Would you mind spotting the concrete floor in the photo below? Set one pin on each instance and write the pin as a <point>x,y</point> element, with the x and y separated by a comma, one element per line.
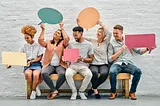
<point>64,101</point>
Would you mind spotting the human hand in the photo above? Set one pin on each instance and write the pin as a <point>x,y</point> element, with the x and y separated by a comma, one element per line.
<point>8,66</point>
<point>61,24</point>
<point>42,26</point>
<point>123,47</point>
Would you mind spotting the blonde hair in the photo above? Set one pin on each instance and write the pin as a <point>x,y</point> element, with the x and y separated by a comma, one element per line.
<point>30,30</point>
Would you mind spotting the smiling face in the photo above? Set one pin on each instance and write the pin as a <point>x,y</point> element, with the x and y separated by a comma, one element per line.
<point>117,32</point>
<point>28,38</point>
<point>57,35</point>
<point>77,35</point>
<point>100,33</point>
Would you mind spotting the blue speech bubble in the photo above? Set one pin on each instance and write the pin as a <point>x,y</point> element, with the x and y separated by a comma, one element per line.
<point>50,16</point>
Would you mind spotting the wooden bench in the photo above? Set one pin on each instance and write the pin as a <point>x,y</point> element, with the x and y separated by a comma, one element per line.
<point>122,76</point>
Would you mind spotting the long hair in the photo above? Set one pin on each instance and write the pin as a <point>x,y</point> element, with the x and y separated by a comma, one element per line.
<point>52,41</point>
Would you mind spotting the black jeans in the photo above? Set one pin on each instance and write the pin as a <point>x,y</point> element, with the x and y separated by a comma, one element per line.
<point>47,71</point>
<point>98,69</point>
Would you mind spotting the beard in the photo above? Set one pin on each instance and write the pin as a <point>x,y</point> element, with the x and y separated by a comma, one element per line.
<point>77,40</point>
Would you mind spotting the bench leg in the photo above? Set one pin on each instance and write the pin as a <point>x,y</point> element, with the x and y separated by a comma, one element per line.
<point>28,90</point>
<point>126,87</point>
<point>123,87</point>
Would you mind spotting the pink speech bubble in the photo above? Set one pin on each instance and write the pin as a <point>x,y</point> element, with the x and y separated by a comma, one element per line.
<point>71,55</point>
<point>140,40</point>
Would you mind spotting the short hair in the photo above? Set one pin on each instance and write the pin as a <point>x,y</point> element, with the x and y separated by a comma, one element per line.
<point>101,28</point>
<point>78,28</point>
<point>120,27</point>
<point>30,30</point>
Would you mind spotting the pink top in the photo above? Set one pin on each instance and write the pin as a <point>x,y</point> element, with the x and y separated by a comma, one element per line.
<point>49,52</point>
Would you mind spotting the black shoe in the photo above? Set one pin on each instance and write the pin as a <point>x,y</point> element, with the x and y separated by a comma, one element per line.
<point>98,96</point>
<point>90,92</point>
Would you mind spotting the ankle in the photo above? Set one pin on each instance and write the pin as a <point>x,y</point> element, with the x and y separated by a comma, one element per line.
<point>95,91</point>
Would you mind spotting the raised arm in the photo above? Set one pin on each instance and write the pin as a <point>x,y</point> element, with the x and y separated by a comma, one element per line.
<point>106,31</point>
<point>65,36</point>
<point>41,37</point>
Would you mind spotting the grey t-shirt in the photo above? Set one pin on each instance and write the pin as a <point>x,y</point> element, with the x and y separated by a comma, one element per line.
<point>100,50</point>
<point>125,56</point>
<point>85,49</point>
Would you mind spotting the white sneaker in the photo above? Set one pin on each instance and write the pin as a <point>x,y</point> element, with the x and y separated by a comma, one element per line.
<point>33,95</point>
<point>74,96</point>
<point>38,91</point>
<point>82,95</point>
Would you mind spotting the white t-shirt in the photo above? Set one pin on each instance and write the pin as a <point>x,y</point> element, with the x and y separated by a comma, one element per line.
<point>55,60</point>
<point>32,50</point>
<point>85,49</point>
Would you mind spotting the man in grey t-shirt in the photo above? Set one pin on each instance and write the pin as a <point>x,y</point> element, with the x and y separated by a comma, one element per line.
<point>81,65</point>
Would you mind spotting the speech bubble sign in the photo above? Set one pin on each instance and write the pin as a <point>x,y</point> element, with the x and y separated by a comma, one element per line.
<point>14,58</point>
<point>140,40</point>
<point>71,55</point>
<point>50,16</point>
<point>88,17</point>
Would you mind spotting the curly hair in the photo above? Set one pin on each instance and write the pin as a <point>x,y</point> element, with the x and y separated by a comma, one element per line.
<point>30,30</point>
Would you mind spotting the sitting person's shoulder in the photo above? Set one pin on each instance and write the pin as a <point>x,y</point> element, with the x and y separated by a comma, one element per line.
<point>87,42</point>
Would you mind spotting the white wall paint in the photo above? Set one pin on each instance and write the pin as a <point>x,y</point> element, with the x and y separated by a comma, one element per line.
<point>137,16</point>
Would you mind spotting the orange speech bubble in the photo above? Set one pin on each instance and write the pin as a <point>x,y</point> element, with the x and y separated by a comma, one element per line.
<point>88,17</point>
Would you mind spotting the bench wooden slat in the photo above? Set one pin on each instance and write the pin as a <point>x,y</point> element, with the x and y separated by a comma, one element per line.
<point>80,77</point>
<point>121,76</point>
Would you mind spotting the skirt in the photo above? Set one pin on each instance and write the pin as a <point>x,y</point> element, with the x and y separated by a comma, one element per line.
<point>34,66</point>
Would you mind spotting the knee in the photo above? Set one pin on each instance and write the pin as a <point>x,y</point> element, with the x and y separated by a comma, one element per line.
<point>89,74</point>
<point>112,72</point>
<point>61,73</point>
<point>95,74</point>
<point>28,76</point>
<point>68,74</point>
<point>44,74</point>
<point>104,74</point>
<point>36,75</point>
<point>138,72</point>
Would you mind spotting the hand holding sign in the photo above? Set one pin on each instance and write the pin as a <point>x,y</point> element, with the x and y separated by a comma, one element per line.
<point>140,40</point>
<point>88,17</point>
<point>71,55</point>
<point>50,16</point>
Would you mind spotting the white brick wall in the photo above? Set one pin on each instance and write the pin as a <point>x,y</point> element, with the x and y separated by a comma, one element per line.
<point>137,16</point>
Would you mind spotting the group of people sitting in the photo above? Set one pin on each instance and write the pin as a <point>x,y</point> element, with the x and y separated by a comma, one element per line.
<point>97,56</point>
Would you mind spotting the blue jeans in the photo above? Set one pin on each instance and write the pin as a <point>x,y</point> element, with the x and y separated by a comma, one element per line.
<point>131,69</point>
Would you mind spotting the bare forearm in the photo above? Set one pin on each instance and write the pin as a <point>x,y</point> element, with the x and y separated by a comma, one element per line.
<point>42,34</point>
<point>87,60</point>
<point>37,59</point>
<point>116,55</point>
<point>144,50</point>
<point>41,39</point>
<point>66,37</point>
